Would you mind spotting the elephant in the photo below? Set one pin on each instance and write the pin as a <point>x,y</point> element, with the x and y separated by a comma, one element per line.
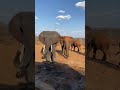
<point>76,43</point>
<point>22,28</point>
<point>65,44</point>
<point>61,42</point>
<point>50,40</point>
<point>97,40</point>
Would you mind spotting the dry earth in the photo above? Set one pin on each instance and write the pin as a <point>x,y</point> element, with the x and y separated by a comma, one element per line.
<point>8,48</point>
<point>100,76</point>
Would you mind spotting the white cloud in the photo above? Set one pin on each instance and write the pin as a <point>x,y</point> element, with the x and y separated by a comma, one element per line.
<point>75,32</point>
<point>80,4</point>
<point>61,11</point>
<point>60,19</point>
<point>63,17</point>
<point>57,23</point>
<point>36,17</point>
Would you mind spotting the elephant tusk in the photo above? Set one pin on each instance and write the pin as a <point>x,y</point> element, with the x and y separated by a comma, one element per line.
<point>22,53</point>
<point>51,48</point>
<point>43,48</point>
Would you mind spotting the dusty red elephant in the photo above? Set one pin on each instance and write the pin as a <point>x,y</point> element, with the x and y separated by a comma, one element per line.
<point>65,42</point>
<point>76,43</point>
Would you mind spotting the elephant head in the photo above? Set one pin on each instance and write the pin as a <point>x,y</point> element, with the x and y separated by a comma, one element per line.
<point>66,45</point>
<point>22,28</point>
<point>49,38</point>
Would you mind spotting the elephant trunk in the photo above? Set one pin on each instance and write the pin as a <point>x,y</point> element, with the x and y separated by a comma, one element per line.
<point>51,48</point>
<point>67,49</point>
<point>22,53</point>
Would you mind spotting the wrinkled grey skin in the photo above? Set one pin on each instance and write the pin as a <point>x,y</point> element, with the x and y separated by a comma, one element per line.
<point>50,40</point>
<point>21,27</point>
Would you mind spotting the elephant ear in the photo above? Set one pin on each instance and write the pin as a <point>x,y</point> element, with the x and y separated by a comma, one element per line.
<point>15,29</point>
<point>21,27</point>
<point>56,38</point>
<point>42,37</point>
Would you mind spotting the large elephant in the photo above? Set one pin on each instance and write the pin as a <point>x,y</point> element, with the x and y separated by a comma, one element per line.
<point>66,42</point>
<point>22,28</point>
<point>50,40</point>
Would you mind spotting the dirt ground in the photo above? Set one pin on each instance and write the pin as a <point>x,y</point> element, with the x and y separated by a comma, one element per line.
<point>8,48</point>
<point>100,76</point>
<point>74,65</point>
<point>76,60</point>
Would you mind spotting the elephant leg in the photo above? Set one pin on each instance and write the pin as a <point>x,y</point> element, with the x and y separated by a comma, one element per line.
<point>89,48</point>
<point>87,52</point>
<point>105,53</point>
<point>62,49</point>
<point>53,55</point>
<point>78,49</point>
<point>118,51</point>
<point>71,47</point>
<point>104,56</point>
<point>48,56</point>
<point>74,48</point>
<point>66,53</point>
<point>94,53</point>
<point>17,57</point>
<point>30,72</point>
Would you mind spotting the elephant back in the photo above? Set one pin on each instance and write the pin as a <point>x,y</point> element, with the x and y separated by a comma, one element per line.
<point>53,37</point>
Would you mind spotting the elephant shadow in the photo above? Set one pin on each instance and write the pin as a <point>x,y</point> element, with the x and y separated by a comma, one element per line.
<point>58,76</point>
<point>60,53</point>
<point>20,86</point>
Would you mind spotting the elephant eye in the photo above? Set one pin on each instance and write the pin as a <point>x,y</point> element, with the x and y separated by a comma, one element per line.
<point>21,30</point>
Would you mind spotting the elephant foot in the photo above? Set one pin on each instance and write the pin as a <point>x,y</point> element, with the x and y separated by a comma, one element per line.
<point>43,57</point>
<point>30,86</point>
<point>20,74</point>
<point>66,57</point>
<point>53,59</point>
<point>104,58</point>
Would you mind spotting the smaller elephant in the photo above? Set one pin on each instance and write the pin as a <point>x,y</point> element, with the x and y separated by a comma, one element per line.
<point>76,43</point>
<point>50,40</point>
<point>61,42</point>
<point>65,44</point>
<point>97,40</point>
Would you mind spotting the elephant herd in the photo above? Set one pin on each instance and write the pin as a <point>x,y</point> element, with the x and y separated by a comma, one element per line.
<point>101,40</point>
<point>50,39</point>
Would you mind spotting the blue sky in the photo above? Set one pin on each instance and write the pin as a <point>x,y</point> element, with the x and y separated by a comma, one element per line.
<point>65,16</point>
